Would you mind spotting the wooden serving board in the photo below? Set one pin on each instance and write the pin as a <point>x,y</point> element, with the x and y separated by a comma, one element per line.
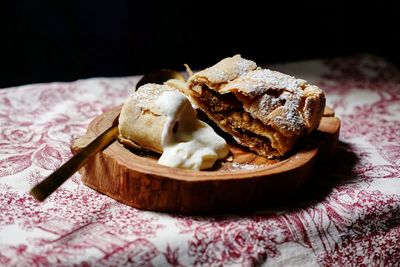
<point>243,182</point>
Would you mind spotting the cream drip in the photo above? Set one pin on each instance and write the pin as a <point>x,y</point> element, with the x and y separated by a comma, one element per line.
<point>187,142</point>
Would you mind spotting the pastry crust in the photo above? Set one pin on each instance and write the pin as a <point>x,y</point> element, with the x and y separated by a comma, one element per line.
<point>140,121</point>
<point>264,110</point>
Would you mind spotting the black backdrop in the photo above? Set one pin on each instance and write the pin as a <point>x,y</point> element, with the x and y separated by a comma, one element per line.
<point>63,41</point>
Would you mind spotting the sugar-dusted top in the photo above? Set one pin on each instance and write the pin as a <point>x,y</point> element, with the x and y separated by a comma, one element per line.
<point>257,82</point>
<point>146,96</point>
<point>226,70</point>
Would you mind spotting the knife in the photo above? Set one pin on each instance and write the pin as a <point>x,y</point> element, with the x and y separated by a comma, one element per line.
<point>43,189</point>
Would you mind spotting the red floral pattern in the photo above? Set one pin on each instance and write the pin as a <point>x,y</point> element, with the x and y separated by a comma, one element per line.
<point>356,223</point>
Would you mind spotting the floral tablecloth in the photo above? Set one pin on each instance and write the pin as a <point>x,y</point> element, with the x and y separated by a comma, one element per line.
<point>354,221</point>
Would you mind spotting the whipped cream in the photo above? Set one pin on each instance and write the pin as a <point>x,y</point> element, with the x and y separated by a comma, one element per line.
<point>187,142</point>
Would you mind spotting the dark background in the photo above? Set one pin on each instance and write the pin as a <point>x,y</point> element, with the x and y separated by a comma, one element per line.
<point>63,41</point>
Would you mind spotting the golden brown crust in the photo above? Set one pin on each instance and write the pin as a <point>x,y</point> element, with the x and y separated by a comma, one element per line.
<point>224,71</point>
<point>140,121</point>
<point>281,108</point>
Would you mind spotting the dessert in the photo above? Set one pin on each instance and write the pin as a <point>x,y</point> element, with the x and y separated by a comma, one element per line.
<point>161,119</point>
<point>264,110</point>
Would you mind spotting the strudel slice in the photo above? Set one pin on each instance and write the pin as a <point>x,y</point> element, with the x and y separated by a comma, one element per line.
<point>264,110</point>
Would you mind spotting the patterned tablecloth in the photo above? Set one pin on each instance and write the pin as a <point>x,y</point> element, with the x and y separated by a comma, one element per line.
<point>355,220</point>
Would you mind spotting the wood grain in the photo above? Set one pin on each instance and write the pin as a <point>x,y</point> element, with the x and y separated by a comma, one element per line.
<point>244,182</point>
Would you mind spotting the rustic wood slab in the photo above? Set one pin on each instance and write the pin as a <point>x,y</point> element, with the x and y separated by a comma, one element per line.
<point>243,182</point>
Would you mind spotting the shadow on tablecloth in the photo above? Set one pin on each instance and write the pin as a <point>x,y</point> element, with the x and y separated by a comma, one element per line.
<point>339,170</point>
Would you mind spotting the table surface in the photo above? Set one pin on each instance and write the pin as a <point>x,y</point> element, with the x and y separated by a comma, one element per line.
<point>349,214</point>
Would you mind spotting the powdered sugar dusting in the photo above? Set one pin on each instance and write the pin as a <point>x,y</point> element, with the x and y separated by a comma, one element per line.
<point>291,120</point>
<point>277,90</point>
<point>294,120</point>
<point>244,166</point>
<point>218,74</point>
<point>257,82</point>
<point>146,95</point>
<point>226,70</point>
<point>267,103</point>
<point>244,65</point>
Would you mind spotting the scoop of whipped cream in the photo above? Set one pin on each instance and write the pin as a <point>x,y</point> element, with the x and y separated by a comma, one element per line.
<point>187,142</point>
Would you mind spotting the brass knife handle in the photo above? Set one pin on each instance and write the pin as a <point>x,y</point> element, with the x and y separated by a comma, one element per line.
<point>43,189</point>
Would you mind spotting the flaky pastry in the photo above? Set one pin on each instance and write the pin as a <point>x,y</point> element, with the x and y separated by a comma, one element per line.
<point>264,110</point>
